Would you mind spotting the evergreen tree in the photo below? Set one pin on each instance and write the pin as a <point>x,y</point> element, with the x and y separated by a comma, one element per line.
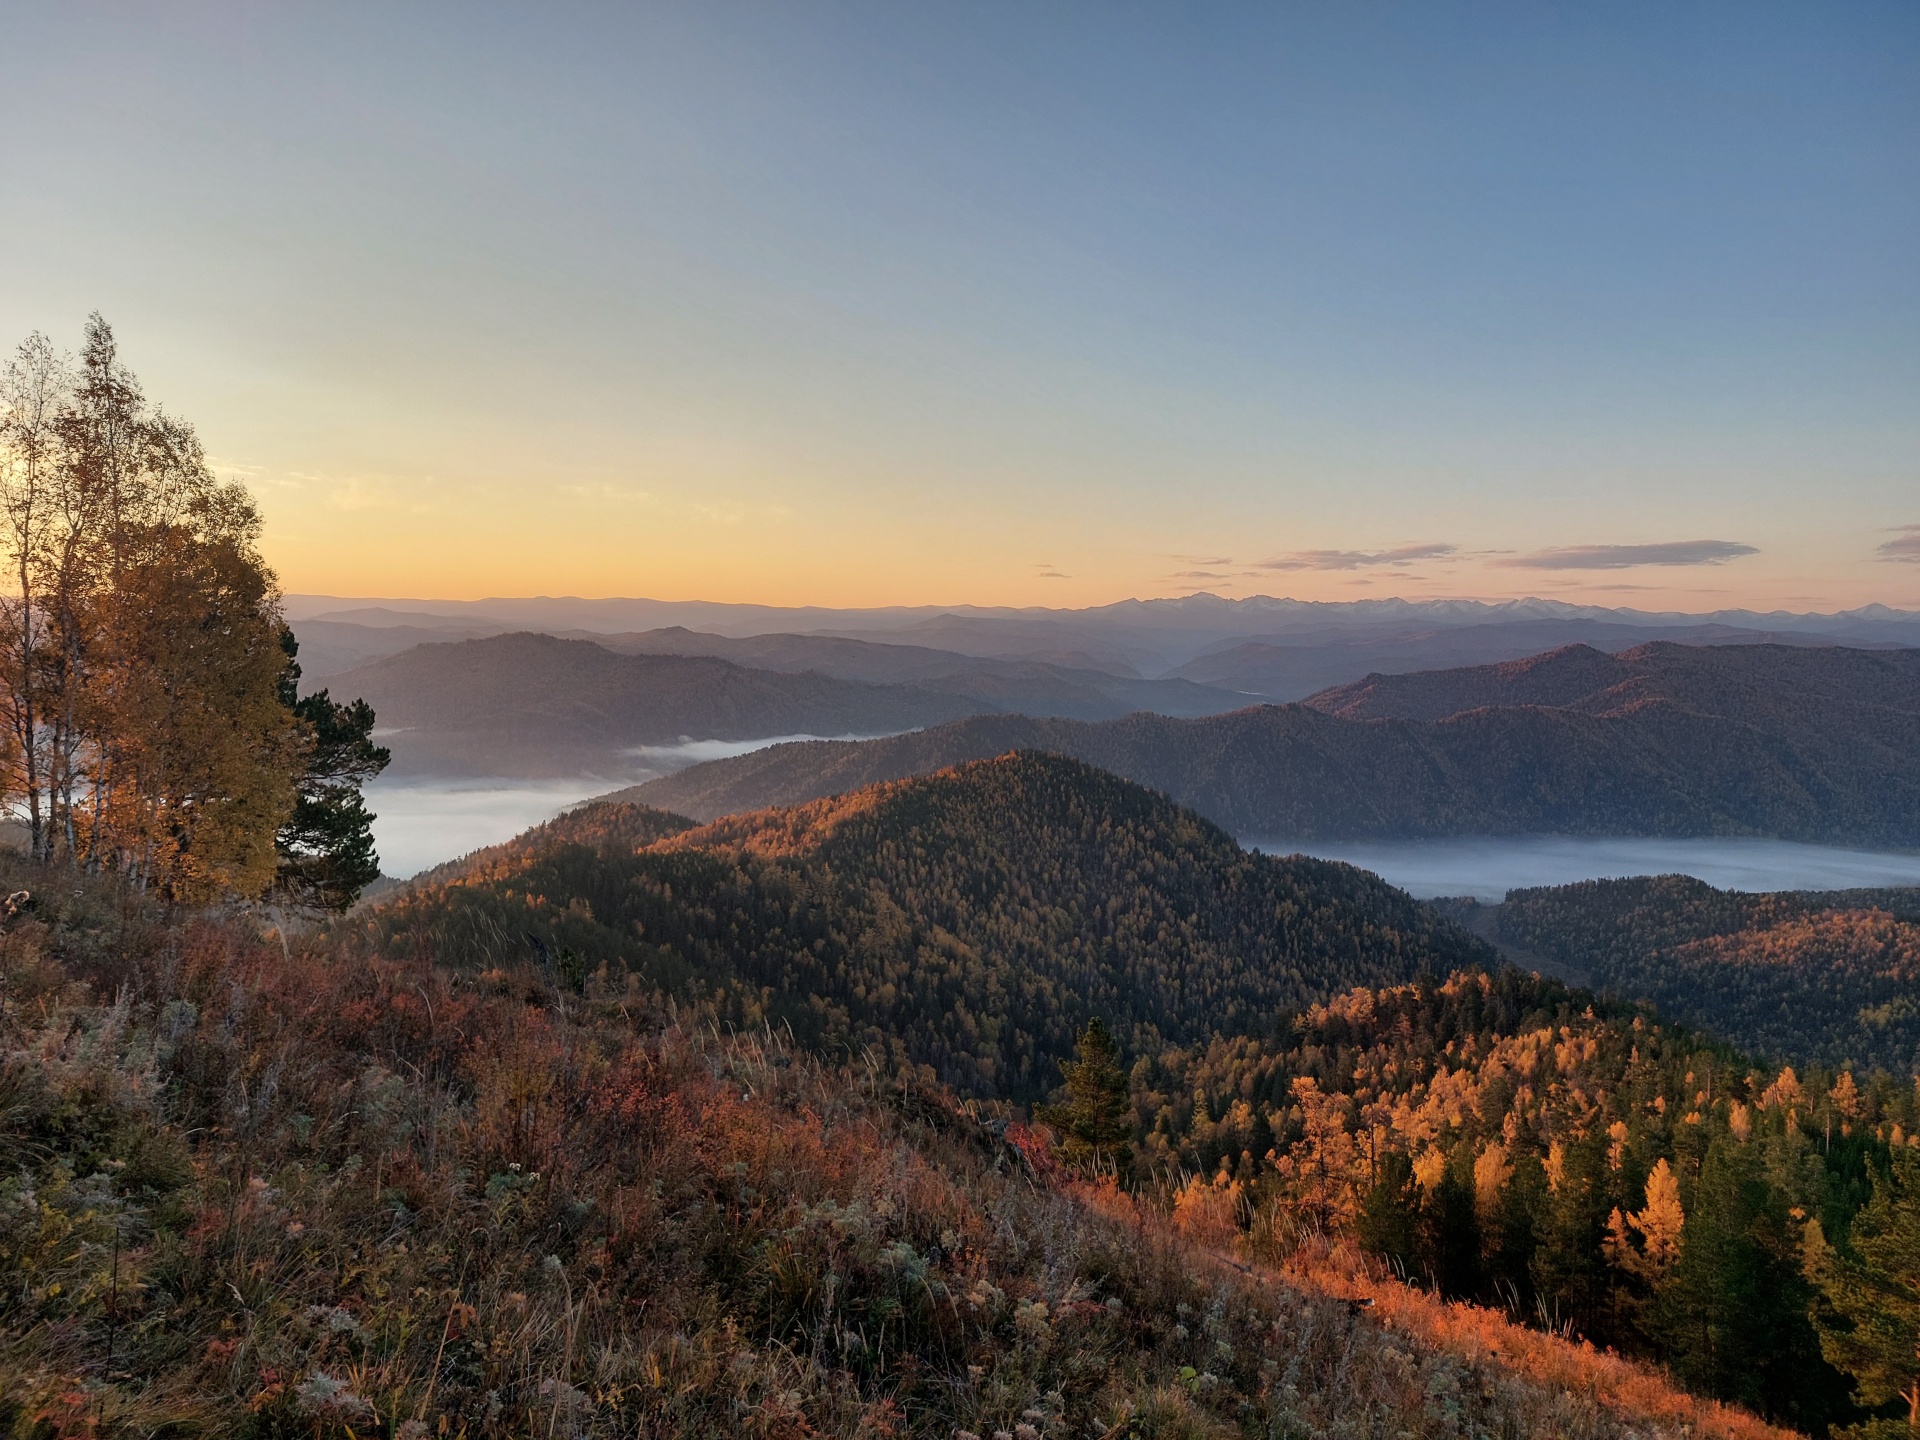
<point>1449,1229</point>
<point>1098,1115</point>
<point>1735,1308</point>
<point>326,847</point>
<point>1569,1274</point>
<point>1872,1285</point>
<point>1390,1212</point>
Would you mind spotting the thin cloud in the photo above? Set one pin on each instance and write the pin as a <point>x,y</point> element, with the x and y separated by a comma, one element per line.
<point>1904,547</point>
<point>1625,557</point>
<point>1356,559</point>
<point>1053,575</point>
<point>1200,575</point>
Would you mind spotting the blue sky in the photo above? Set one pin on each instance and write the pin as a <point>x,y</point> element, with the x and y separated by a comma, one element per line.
<point>1007,304</point>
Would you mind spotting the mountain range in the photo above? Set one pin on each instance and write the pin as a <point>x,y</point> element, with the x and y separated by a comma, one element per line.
<point>1807,744</point>
<point>538,706</point>
<point>1260,647</point>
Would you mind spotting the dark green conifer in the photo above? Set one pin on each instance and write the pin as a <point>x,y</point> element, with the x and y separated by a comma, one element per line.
<point>326,847</point>
<point>1098,1115</point>
<point>1389,1215</point>
<point>1735,1309</point>
<point>1872,1286</point>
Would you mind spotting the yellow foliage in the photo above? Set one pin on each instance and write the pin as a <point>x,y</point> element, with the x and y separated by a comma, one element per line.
<point>1491,1172</point>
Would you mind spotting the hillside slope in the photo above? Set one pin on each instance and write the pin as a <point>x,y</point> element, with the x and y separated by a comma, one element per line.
<point>1786,690</point>
<point>256,1191</point>
<point>1780,757</point>
<point>1797,976</point>
<point>1296,667</point>
<point>1489,1135</point>
<point>971,921</point>
<point>537,706</point>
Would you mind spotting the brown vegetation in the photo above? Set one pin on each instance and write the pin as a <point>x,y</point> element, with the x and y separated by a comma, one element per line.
<point>324,1193</point>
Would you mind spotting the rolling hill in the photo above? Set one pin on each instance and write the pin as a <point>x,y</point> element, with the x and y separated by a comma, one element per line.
<point>1830,978</point>
<point>536,706</point>
<point>1804,744</point>
<point>970,921</point>
<point>1071,686</point>
<point>1794,690</point>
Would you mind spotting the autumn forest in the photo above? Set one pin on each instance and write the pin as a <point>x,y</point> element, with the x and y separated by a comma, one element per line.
<point>1005,1097</point>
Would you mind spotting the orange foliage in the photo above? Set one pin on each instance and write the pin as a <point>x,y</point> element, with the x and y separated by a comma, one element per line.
<point>1632,1390</point>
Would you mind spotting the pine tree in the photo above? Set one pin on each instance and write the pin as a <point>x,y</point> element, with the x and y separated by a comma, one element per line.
<point>1098,1115</point>
<point>1390,1212</point>
<point>1735,1308</point>
<point>326,847</point>
<point>1873,1287</point>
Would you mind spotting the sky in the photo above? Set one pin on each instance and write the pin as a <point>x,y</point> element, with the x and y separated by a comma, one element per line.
<point>1049,304</point>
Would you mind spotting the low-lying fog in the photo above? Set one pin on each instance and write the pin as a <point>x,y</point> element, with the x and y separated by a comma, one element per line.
<point>1488,868</point>
<point>423,821</point>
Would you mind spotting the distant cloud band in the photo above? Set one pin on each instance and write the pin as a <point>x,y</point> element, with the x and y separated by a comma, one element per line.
<point>1355,559</point>
<point>1904,547</point>
<point>1625,557</point>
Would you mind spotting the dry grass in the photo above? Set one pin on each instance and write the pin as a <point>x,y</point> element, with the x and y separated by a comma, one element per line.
<point>1634,1391</point>
<point>314,1193</point>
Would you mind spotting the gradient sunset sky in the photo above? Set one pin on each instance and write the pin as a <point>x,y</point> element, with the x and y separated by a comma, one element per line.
<point>1006,303</point>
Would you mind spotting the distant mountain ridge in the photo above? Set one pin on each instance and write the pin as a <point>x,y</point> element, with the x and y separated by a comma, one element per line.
<point>531,705</point>
<point>538,706</point>
<point>1154,637</point>
<point>1759,740</point>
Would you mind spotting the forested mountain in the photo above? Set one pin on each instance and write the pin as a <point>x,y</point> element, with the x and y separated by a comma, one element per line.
<point>1501,1137</point>
<point>1739,740</point>
<point>1796,976</point>
<point>535,705</point>
<point>971,922</point>
<point>1295,667</point>
<point>1794,691</point>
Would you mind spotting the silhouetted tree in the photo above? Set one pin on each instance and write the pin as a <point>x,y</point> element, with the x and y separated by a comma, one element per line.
<point>326,847</point>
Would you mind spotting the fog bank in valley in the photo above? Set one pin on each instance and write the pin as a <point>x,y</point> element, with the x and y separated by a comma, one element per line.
<point>424,821</point>
<point>1488,867</point>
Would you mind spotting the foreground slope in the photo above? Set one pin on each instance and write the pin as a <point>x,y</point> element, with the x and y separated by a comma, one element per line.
<point>308,1192</point>
<point>1735,740</point>
<point>971,921</point>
